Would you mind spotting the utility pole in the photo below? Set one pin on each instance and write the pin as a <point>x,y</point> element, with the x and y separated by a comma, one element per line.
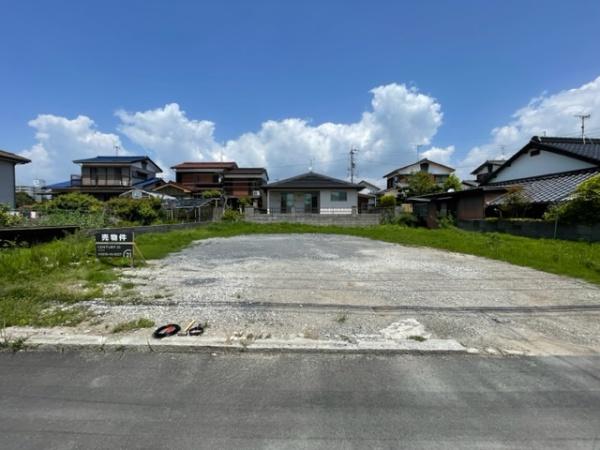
<point>352,168</point>
<point>583,117</point>
<point>418,148</point>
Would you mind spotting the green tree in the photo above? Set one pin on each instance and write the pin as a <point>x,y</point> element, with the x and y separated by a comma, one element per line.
<point>211,193</point>
<point>23,199</point>
<point>74,201</point>
<point>144,211</point>
<point>515,203</point>
<point>421,183</point>
<point>452,182</point>
<point>387,201</point>
<point>584,207</point>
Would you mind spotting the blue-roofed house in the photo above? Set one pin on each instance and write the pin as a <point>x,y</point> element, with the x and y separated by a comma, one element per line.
<point>109,176</point>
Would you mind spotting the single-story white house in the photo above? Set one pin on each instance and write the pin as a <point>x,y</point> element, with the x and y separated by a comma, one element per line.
<point>312,193</point>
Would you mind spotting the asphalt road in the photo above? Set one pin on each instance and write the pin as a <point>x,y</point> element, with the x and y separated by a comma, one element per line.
<point>95,400</point>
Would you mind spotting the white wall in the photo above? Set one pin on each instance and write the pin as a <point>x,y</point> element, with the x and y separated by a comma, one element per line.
<point>7,183</point>
<point>325,202</point>
<point>545,163</point>
<point>434,169</point>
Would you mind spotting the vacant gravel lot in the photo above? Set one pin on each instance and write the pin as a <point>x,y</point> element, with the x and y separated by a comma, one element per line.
<point>322,286</point>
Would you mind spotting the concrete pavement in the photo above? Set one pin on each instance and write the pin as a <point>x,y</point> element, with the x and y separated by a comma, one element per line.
<point>73,400</point>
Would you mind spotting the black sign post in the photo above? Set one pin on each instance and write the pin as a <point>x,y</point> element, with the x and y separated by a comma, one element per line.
<point>115,244</point>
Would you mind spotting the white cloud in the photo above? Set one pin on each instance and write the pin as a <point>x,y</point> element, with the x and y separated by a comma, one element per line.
<point>399,119</point>
<point>553,115</point>
<point>169,135</point>
<point>439,154</point>
<point>59,142</point>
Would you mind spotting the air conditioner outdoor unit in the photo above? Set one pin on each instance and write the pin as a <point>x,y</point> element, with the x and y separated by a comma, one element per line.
<point>255,193</point>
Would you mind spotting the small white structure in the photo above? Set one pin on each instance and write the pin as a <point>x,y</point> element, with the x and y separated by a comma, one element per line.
<point>139,193</point>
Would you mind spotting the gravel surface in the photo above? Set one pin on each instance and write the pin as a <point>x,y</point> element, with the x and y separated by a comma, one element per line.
<point>324,286</point>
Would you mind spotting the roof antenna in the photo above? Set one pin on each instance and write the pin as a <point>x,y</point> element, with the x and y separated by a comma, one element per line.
<point>117,148</point>
<point>583,117</point>
<point>310,168</point>
<point>502,147</point>
<point>418,147</point>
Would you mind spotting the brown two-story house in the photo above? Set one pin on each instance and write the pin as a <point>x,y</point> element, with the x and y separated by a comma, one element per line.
<point>108,176</point>
<point>233,181</point>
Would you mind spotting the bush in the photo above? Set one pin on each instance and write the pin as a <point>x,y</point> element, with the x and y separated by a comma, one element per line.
<point>515,203</point>
<point>446,221</point>
<point>406,219</point>
<point>74,201</point>
<point>231,215</point>
<point>144,211</point>
<point>403,219</point>
<point>387,201</point>
<point>452,182</point>
<point>583,208</point>
<point>82,219</point>
<point>23,199</point>
<point>212,193</point>
<point>7,219</point>
<point>245,201</point>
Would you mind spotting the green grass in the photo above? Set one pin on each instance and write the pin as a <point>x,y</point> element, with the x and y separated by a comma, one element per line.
<point>34,281</point>
<point>133,325</point>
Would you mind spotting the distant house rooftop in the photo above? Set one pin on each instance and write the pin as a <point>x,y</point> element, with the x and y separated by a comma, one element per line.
<point>422,161</point>
<point>16,159</point>
<point>493,162</point>
<point>312,180</point>
<point>110,160</point>
<point>205,165</point>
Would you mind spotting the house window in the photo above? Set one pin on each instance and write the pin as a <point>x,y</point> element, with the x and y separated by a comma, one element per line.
<point>424,167</point>
<point>339,196</point>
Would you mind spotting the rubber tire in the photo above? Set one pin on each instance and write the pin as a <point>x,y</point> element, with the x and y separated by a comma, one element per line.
<point>166,331</point>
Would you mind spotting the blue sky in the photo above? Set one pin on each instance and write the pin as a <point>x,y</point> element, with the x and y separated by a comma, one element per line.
<point>237,65</point>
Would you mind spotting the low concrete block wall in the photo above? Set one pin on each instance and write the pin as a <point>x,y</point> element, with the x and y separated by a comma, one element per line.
<point>342,220</point>
<point>150,228</point>
<point>534,229</point>
<point>35,235</point>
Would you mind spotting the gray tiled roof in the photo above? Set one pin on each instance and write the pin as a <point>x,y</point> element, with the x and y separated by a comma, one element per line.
<point>548,188</point>
<point>13,157</point>
<point>590,148</point>
<point>312,180</point>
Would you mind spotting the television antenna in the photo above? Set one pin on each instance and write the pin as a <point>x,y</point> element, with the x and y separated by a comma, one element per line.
<point>583,118</point>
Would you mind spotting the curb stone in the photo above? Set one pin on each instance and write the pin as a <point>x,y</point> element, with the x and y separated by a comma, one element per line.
<point>177,344</point>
